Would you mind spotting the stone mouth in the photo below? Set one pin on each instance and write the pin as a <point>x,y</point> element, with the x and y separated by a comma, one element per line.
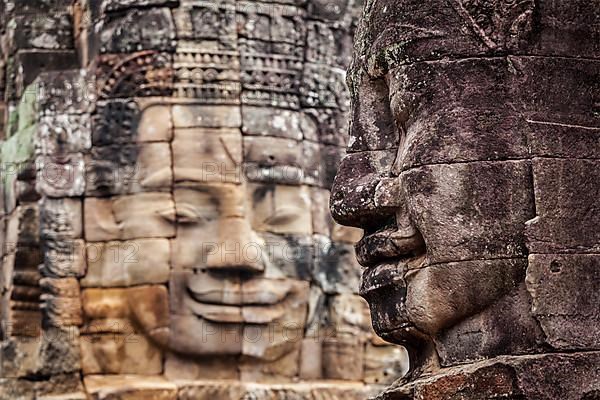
<point>389,246</point>
<point>258,292</point>
<point>257,301</point>
<point>384,287</point>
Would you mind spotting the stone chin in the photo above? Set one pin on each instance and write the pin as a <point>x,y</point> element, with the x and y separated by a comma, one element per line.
<point>409,304</point>
<point>383,286</point>
<point>260,318</point>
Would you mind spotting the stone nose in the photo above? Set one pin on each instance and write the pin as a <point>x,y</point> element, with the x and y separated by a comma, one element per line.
<point>363,195</point>
<point>236,247</point>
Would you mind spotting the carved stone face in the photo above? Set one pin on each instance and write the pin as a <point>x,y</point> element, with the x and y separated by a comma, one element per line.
<point>180,179</point>
<point>240,252</point>
<point>220,138</point>
<point>447,170</point>
<point>233,222</point>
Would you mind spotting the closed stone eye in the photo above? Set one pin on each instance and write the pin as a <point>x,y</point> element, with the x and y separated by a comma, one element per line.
<point>282,216</point>
<point>186,214</point>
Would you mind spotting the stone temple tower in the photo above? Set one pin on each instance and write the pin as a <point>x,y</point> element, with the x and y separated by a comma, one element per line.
<point>166,167</point>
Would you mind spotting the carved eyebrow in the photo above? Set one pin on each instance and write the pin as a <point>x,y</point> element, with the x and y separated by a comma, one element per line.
<point>379,60</point>
<point>378,64</point>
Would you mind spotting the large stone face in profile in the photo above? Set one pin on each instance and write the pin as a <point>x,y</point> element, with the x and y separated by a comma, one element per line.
<point>472,168</point>
<point>165,203</point>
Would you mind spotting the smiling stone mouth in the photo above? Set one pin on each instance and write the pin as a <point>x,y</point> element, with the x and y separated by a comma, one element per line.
<point>389,245</point>
<point>260,301</point>
<point>250,292</point>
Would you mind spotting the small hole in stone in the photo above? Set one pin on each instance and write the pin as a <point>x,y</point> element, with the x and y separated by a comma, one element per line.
<point>555,266</point>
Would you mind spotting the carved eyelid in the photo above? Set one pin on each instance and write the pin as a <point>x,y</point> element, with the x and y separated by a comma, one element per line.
<point>399,106</point>
<point>168,214</point>
<point>187,213</point>
<point>400,114</point>
<point>373,66</point>
<point>282,216</point>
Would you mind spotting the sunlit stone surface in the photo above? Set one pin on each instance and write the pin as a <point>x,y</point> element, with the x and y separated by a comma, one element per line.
<point>166,168</point>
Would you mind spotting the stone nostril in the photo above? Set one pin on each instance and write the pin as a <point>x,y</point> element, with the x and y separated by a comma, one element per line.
<point>233,265</point>
<point>382,224</point>
<point>236,257</point>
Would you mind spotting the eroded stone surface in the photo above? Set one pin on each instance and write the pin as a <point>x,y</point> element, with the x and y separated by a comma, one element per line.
<point>55,353</point>
<point>343,358</point>
<point>471,168</point>
<point>119,354</point>
<point>511,377</point>
<point>565,309</point>
<point>303,391</point>
<point>129,387</point>
<point>162,209</point>
<point>125,169</point>
<point>280,208</point>
<point>205,116</point>
<point>128,263</point>
<point>125,121</point>
<point>123,330</point>
<point>207,155</point>
<point>566,220</point>
<point>142,215</point>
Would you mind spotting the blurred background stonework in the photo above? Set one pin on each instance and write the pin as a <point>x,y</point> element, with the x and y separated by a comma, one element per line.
<point>166,168</point>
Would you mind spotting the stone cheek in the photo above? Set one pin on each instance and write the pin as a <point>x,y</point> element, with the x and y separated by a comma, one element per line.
<point>123,329</point>
<point>463,217</point>
<point>127,263</point>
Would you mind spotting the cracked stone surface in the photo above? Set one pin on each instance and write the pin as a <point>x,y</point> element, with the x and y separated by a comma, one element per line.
<point>167,167</point>
<point>471,166</point>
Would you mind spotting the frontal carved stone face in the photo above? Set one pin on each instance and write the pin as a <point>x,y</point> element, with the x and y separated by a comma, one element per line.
<point>450,139</point>
<point>221,182</point>
<point>180,182</point>
<point>232,222</point>
<point>235,247</point>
